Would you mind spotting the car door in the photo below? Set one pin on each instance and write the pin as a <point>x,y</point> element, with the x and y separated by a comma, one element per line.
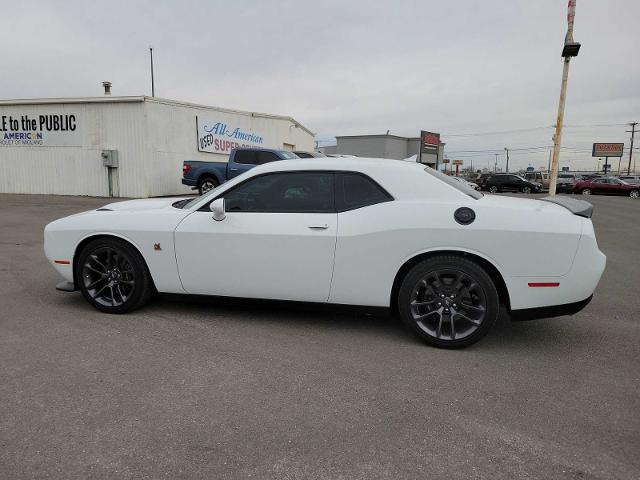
<point>277,240</point>
<point>514,183</point>
<point>616,187</point>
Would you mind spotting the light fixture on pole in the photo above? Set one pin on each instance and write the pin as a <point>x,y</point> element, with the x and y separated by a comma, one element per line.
<point>570,49</point>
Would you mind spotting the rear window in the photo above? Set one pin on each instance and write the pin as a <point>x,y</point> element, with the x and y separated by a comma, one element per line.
<point>248,157</point>
<point>463,187</point>
<point>356,190</point>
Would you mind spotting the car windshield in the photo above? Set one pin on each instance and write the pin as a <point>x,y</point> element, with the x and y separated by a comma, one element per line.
<point>458,185</point>
<point>288,155</point>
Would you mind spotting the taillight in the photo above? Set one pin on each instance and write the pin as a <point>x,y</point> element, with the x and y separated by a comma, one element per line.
<point>185,169</point>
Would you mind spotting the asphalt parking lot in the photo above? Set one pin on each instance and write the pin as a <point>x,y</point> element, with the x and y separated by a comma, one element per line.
<point>192,388</point>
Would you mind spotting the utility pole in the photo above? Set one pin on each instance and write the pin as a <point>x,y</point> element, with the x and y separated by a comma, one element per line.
<point>507,150</point>
<point>632,132</point>
<point>153,88</point>
<point>570,49</point>
<point>495,165</point>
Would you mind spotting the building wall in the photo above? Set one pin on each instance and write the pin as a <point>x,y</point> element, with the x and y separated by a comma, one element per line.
<point>172,138</point>
<point>152,137</point>
<point>77,169</point>
<point>373,146</point>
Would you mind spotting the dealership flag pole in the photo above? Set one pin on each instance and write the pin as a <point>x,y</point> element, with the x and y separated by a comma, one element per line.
<point>570,49</point>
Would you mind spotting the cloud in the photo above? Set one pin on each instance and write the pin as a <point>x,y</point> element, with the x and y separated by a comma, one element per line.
<point>348,67</point>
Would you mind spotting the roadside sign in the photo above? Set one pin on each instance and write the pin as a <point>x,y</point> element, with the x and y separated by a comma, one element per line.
<point>565,169</point>
<point>458,162</point>
<point>607,150</point>
<point>446,160</point>
<point>429,142</point>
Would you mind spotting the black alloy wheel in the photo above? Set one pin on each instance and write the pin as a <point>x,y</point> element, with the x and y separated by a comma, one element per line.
<point>113,276</point>
<point>449,301</point>
<point>206,185</point>
<point>526,189</point>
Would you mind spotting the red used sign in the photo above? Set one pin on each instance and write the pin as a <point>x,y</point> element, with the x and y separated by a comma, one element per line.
<point>607,150</point>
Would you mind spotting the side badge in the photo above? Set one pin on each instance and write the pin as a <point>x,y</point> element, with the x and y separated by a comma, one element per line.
<point>156,246</point>
<point>464,216</point>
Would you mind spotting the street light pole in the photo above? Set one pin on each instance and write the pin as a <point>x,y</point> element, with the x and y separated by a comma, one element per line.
<point>570,49</point>
<point>507,150</point>
<point>633,132</point>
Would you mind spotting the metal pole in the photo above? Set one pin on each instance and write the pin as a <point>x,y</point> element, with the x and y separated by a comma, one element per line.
<point>153,88</point>
<point>558,135</point>
<point>633,132</point>
<point>507,150</point>
<point>495,165</point>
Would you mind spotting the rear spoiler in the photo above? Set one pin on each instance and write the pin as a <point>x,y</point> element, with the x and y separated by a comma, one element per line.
<point>577,207</point>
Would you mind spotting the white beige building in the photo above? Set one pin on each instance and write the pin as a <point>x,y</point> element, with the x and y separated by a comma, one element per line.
<point>60,146</point>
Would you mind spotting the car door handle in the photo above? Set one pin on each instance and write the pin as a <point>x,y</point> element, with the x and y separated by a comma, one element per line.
<point>318,227</point>
<point>234,169</point>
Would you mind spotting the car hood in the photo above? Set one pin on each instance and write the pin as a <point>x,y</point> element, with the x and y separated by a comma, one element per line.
<point>142,204</point>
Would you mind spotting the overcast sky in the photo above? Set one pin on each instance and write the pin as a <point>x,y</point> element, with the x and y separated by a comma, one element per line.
<point>351,67</point>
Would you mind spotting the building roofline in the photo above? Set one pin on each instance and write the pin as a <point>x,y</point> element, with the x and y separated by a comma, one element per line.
<point>378,135</point>
<point>141,99</point>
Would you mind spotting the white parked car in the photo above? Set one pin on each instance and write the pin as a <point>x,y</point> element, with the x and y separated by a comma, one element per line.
<point>359,232</point>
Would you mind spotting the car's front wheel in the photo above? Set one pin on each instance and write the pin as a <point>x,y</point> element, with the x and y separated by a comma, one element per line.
<point>113,276</point>
<point>449,301</point>
<point>586,191</point>
<point>634,193</point>
<point>526,189</point>
<point>494,189</point>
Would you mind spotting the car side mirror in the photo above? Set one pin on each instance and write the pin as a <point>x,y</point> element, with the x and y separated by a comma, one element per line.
<point>217,207</point>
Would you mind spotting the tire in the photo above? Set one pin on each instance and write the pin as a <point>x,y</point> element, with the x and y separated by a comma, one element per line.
<point>526,189</point>
<point>494,189</point>
<point>113,276</point>
<point>634,193</point>
<point>206,184</point>
<point>446,291</point>
<point>585,191</point>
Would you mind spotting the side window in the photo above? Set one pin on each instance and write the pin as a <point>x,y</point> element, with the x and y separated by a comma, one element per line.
<point>247,157</point>
<point>266,157</point>
<point>295,192</point>
<point>355,190</point>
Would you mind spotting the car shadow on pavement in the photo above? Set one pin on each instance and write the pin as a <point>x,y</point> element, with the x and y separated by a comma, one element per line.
<point>548,334</point>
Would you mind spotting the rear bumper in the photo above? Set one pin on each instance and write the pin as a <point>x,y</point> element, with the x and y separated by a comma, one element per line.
<point>189,182</point>
<point>549,312</point>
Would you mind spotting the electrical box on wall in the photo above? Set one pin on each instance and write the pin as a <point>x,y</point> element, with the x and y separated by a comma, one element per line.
<point>110,158</point>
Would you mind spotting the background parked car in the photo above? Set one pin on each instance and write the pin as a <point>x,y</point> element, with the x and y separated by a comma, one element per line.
<point>635,179</point>
<point>206,176</point>
<point>607,186</point>
<point>506,182</point>
<point>467,183</point>
<point>566,182</point>
<point>538,177</point>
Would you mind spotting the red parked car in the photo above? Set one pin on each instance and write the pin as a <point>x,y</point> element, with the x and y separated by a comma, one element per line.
<point>607,186</point>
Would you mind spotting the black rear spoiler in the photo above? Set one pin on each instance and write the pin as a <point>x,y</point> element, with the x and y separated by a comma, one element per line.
<point>577,207</point>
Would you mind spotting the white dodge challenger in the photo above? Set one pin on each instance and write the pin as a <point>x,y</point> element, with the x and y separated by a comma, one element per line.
<point>360,231</point>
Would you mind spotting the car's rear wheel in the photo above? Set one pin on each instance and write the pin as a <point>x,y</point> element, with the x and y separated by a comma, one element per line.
<point>634,193</point>
<point>586,191</point>
<point>448,301</point>
<point>207,184</point>
<point>113,276</point>
<point>526,189</point>
<point>494,189</point>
